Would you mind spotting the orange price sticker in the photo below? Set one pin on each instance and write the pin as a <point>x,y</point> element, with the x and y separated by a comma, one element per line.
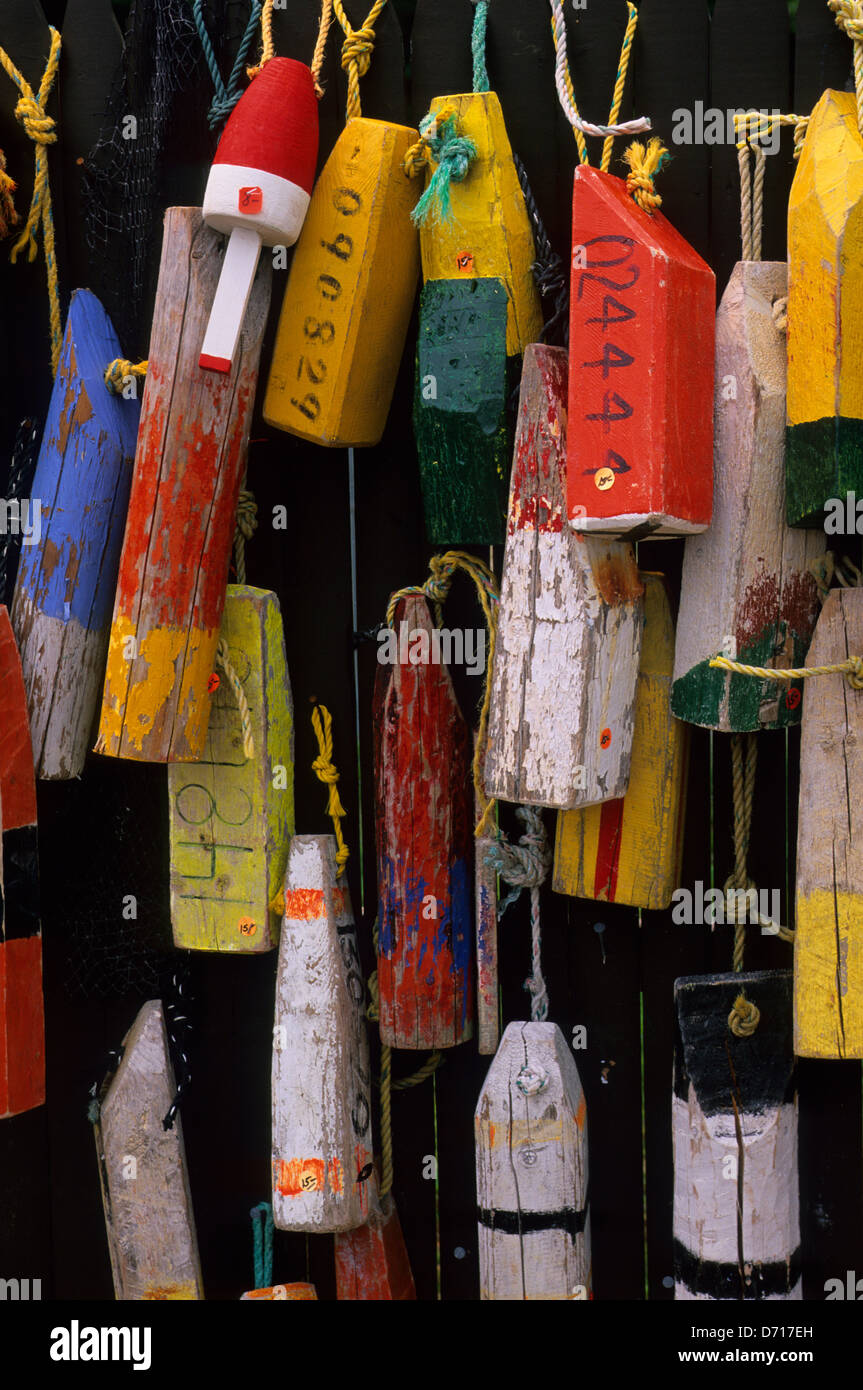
<point>464,260</point>
<point>250,200</point>
<point>605,738</point>
<point>213,683</point>
<point>246,926</point>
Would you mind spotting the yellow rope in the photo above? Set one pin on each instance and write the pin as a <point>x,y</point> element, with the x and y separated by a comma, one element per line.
<point>419,155</point>
<point>357,51</point>
<point>849,17</point>
<point>644,161</point>
<point>325,769</point>
<point>39,127</point>
<point>224,660</point>
<point>268,48</point>
<point>443,570</point>
<point>620,80</point>
<point>117,372</point>
<point>320,46</point>
<point>8,216</point>
<point>852,667</point>
<point>744,1017</point>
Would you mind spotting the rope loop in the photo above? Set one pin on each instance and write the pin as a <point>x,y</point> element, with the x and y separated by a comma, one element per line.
<point>357,51</point>
<point>744,1017</point>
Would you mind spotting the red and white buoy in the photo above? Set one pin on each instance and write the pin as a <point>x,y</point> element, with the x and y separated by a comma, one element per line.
<point>258,190</point>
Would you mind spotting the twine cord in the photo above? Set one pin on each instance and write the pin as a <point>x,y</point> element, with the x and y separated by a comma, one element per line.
<point>325,770</point>
<point>262,1245</point>
<point>39,127</point>
<point>268,47</point>
<point>619,83</point>
<point>851,667</point>
<point>477,46</point>
<point>320,45</point>
<point>223,660</point>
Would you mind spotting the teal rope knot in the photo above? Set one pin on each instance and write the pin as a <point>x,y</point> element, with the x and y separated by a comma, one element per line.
<point>226,97</point>
<point>453,155</point>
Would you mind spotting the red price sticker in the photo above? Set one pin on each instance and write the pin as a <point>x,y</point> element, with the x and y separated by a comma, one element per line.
<point>251,200</point>
<point>792,699</point>
<point>605,738</point>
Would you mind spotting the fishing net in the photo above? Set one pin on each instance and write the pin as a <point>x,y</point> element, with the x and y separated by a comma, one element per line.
<point>127,183</point>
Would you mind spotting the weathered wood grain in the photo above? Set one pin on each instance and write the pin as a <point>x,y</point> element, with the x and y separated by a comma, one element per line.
<point>746,589</point>
<point>569,630</point>
<point>828,944</point>
<point>630,850</point>
<point>297,1293</point>
<point>64,591</point>
<point>22,1021</point>
<point>350,293</point>
<point>460,410</point>
<point>232,817</point>
<point>734,1125</point>
<point>424,846</point>
<point>531,1170</point>
<point>825,313</point>
<point>188,468</point>
<point>142,1171</point>
<point>372,1261</point>
<point>322,1131</point>
<point>488,234</point>
<point>641,368</point>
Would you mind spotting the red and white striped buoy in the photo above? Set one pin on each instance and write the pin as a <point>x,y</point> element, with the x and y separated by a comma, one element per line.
<point>259,189</point>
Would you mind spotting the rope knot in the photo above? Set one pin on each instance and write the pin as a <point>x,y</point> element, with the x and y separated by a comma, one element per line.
<point>453,154</point>
<point>855,672</point>
<point>744,1017</point>
<point>38,125</point>
<point>357,48</point>
<point>644,162</point>
<point>849,16</point>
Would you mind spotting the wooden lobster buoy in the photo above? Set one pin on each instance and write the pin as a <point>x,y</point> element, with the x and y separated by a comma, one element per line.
<point>142,1171</point>
<point>630,850</point>
<point>424,846</point>
<point>322,1132</point>
<point>566,657</point>
<point>232,813</point>
<point>828,941</point>
<point>463,381</point>
<point>64,591</point>
<point>372,1261</point>
<point>188,468</point>
<point>642,308</point>
<point>825,291</point>
<point>734,1124</point>
<point>258,190</point>
<point>747,589</point>
<point>350,293</point>
<point>22,1016</point>
<point>531,1170</point>
<point>482,254</point>
<point>296,1293</point>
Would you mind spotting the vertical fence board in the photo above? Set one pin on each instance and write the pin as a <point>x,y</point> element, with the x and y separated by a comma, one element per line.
<point>822,54</point>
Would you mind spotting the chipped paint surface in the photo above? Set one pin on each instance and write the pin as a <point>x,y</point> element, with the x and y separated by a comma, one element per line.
<point>188,467</point>
<point>424,800</point>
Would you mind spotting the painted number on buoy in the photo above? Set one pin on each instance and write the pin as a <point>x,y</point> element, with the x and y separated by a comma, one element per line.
<point>606,373</point>
<point>320,331</point>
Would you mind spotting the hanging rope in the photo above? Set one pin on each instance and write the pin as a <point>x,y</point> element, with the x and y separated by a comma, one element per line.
<point>477,46</point>
<point>644,162</point>
<point>8,216</point>
<point>548,270</point>
<point>526,865</point>
<point>566,94</point>
<point>849,17</point>
<point>118,373</point>
<point>752,126</point>
<point>262,1245</point>
<point>851,667</point>
<point>326,772</point>
<point>268,47</point>
<point>439,144</point>
<point>443,570</point>
<point>244,528</point>
<point>39,127</point>
<point>357,51</point>
<point>321,44</point>
<point>619,83</point>
<point>224,661</point>
<point>226,95</point>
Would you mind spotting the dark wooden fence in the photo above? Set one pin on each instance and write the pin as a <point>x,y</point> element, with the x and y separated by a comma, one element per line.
<point>106,836</point>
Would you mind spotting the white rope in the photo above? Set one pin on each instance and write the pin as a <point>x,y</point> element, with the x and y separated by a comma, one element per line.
<point>636,127</point>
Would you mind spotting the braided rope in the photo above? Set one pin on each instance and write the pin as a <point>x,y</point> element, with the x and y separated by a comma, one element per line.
<point>245,527</point>
<point>224,661</point>
<point>744,1017</point>
<point>268,47</point>
<point>619,83</point>
<point>326,772</point>
<point>226,95</point>
<point>321,44</point>
<point>118,372</point>
<point>477,46</point>
<point>852,667</point>
<point>262,1245</point>
<point>357,51</point>
<point>849,17</point>
<point>563,82</point>
<point>644,162</point>
<point>440,144</point>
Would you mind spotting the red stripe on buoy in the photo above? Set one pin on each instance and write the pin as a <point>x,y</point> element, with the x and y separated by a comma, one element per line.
<point>274,126</point>
<point>608,850</point>
<point>214,364</point>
